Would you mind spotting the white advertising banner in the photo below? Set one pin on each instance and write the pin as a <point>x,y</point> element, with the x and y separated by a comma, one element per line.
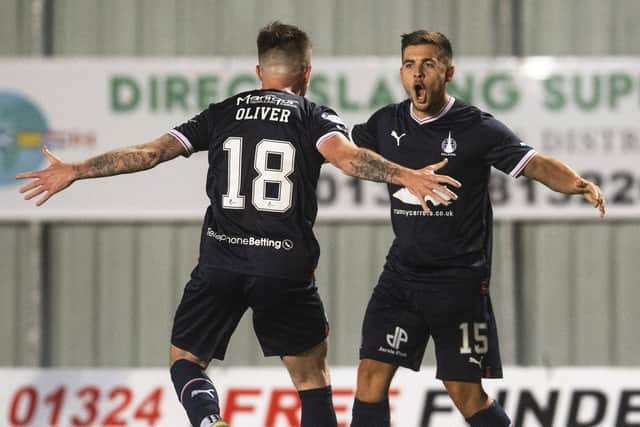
<point>264,397</point>
<point>584,111</point>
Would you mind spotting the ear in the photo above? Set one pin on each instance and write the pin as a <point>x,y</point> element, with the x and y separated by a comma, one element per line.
<point>307,72</point>
<point>451,69</point>
<point>259,71</point>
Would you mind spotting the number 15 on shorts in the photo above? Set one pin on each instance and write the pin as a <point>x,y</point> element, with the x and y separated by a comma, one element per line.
<point>479,339</point>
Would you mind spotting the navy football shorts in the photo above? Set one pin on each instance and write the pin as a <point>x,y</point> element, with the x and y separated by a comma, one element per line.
<point>288,316</point>
<point>457,313</point>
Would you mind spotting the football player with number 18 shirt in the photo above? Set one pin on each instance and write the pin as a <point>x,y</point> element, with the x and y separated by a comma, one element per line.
<point>435,282</point>
<point>257,248</point>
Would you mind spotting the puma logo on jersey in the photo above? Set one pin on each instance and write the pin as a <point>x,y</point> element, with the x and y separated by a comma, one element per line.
<point>210,393</point>
<point>476,361</point>
<point>397,137</point>
<point>405,196</point>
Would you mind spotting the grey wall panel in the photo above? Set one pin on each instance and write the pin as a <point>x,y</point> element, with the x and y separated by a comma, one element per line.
<point>78,27</point>
<point>357,27</point>
<point>11,249</point>
<point>593,321</point>
<point>119,28</point>
<point>201,27</point>
<point>155,300</point>
<point>569,297</point>
<point>580,27</point>
<point>502,286</point>
<point>367,27</point>
<point>29,297</point>
<point>481,32</point>
<point>21,27</point>
<point>116,283</point>
<point>548,295</point>
<point>9,24</point>
<point>625,289</point>
<point>357,263</point>
<point>73,297</point>
<point>626,28</point>
<point>159,25</point>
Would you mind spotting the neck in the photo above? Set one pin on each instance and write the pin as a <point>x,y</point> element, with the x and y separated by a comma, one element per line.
<point>286,84</point>
<point>433,109</point>
<point>284,88</point>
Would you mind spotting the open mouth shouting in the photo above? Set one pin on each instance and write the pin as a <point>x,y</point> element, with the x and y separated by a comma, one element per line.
<point>420,92</point>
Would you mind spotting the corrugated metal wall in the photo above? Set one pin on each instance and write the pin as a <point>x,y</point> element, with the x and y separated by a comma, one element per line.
<point>103,294</point>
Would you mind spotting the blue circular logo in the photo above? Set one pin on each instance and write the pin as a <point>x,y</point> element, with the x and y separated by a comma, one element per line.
<point>22,130</point>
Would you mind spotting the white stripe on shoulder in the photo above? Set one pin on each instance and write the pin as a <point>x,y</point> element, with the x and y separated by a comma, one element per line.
<point>523,163</point>
<point>326,136</point>
<point>183,140</point>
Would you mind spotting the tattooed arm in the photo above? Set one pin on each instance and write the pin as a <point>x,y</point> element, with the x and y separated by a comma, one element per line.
<point>59,175</point>
<point>365,164</point>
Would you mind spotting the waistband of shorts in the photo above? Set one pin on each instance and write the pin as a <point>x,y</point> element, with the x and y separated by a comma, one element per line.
<point>437,278</point>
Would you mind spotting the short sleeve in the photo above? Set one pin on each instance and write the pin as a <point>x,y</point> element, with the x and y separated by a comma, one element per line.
<point>194,134</point>
<point>508,153</point>
<point>326,123</point>
<point>364,134</point>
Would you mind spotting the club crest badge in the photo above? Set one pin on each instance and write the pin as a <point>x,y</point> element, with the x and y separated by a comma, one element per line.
<point>449,146</point>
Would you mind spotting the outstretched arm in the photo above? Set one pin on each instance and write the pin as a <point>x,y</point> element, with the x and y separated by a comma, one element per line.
<point>366,164</point>
<point>561,178</point>
<point>59,175</point>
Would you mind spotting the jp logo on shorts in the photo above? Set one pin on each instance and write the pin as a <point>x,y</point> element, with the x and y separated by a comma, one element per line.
<point>398,337</point>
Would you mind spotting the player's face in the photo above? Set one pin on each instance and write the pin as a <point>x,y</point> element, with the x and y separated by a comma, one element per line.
<point>424,77</point>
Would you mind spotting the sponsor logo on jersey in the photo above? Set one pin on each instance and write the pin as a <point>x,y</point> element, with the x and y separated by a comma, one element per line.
<point>449,146</point>
<point>405,196</point>
<point>397,137</point>
<point>333,118</point>
<point>263,242</point>
<point>266,99</point>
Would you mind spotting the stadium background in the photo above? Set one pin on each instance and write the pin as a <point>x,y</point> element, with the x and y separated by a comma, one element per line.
<point>83,293</point>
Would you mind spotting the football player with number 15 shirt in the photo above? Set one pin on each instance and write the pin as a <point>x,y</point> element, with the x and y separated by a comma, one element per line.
<point>435,282</point>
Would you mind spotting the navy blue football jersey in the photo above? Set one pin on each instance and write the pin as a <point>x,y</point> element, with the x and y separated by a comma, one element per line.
<point>454,238</point>
<point>263,170</point>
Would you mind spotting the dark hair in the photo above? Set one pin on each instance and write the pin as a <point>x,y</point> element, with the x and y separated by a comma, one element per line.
<point>430,37</point>
<point>287,39</point>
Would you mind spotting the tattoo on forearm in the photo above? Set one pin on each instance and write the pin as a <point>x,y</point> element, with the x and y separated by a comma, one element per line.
<point>373,168</point>
<point>120,161</point>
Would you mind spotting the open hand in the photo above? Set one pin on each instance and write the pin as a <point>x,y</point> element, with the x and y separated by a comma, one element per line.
<point>426,182</point>
<point>55,178</point>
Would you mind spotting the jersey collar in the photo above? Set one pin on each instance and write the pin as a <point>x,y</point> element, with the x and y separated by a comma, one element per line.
<point>442,112</point>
